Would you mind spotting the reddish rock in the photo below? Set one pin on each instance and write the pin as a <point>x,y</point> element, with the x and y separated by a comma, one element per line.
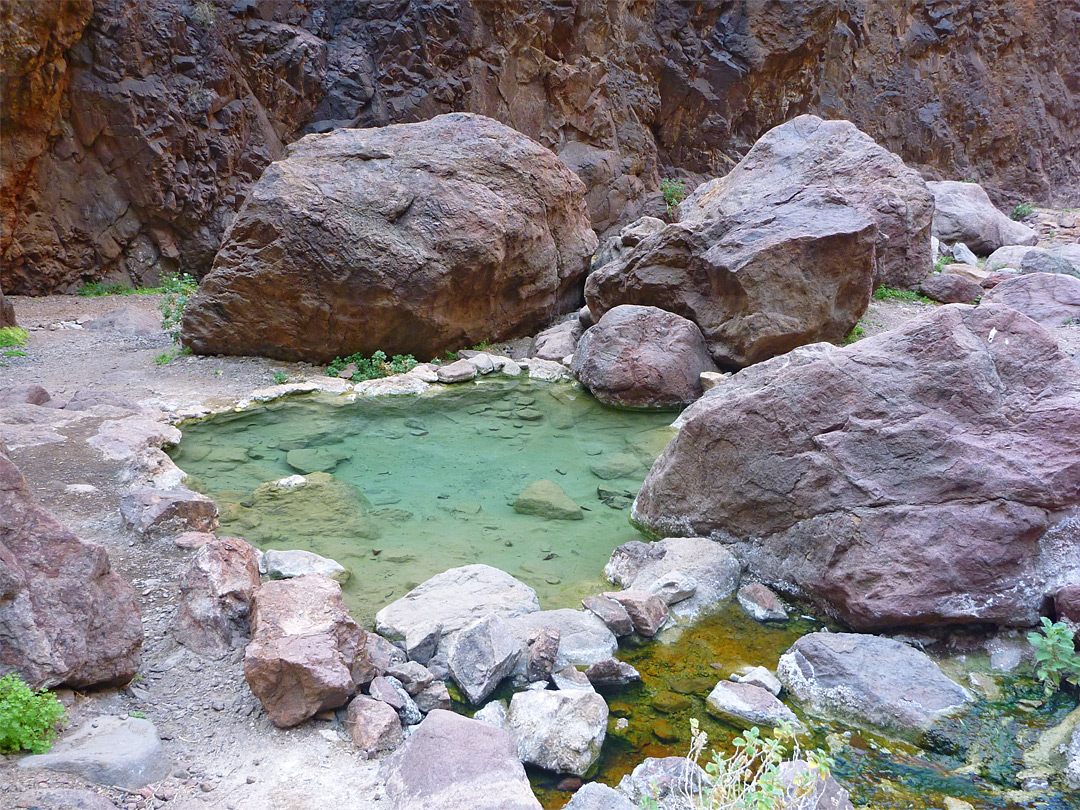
<point>373,726</point>
<point>642,357</point>
<point>23,395</point>
<point>7,312</point>
<point>543,649</point>
<point>306,652</point>
<point>950,288</point>
<point>192,540</point>
<point>215,597</point>
<point>611,612</point>
<point>611,673</point>
<point>159,512</point>
<point>918,477</point>
<point>1052,299</point>
<point>65,618</point>
<point>1067,604</point>
<point>412,238</point>
<point>647,610</point>
<point>761,603</point>
<point>435,696</point>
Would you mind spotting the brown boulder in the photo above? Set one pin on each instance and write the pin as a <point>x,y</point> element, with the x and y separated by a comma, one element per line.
<point>65,618</point>
<point>807,151</point>
<point>795,268</point>
<point>373,725</point>
<point>306,653</point>
<point>1052,299</point>
<point>1067,604</point>
<point>158,512</point>
<point>908,479</point>
<point>412,238</point>
<point>215,596</point>
<point>642,357</point>
<point>951,288</point>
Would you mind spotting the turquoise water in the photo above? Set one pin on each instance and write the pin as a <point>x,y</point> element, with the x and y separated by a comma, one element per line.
<point>422,484</point>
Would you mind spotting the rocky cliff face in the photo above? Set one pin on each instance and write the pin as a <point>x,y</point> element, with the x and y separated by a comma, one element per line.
<point>136,130</point>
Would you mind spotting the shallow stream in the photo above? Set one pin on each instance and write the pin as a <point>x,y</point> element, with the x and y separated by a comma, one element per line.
<point>403,488</point>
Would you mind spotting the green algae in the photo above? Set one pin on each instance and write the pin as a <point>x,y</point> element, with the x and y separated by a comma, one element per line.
<point>411,486</point>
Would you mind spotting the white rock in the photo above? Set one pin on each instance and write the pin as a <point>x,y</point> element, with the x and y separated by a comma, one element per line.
<point>561,731</point>
<point>297,563</point>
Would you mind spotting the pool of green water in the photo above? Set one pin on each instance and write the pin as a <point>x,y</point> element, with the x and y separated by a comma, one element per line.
<point>402,488</point>
<point>407,487</point>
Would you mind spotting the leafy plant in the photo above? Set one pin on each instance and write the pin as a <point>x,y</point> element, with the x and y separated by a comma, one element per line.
<point>674,191</point>
<point>942,263</point>
<point>280,378</point>
<point>13,353</point>
<point>857,332</point>
<point>95,289</point>
<point>165,358</point>
<point>374,367</point>
<point>749,778</point>
<point>28,719</point>
<point>892,294</point>
<point>13,336</point>
<point>1055,655</point>
<point>177,288</point>
<point>1022,210</point>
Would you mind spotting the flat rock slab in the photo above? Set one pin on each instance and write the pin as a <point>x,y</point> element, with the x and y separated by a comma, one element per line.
<point>748,705</point>
<point>547,499</point>
<point>297,563</point>
<point>122,751</point>
<point>65,799</point>
<point>449,601</point>
<point>453,763</point>
<point>870,681</point>
<point>561,731</point>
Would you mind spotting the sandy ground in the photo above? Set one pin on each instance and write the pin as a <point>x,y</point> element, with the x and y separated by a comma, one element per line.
<point>223,750</point>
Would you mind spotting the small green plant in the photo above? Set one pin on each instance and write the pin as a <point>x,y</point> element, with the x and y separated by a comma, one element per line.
<point>482,346</point>
<point>372,368</point>
<point>1055,655</point>
<point>1023,210</point>
<point>13,336</point>
<point>674,191</point>
<point>96,289</point>
<point>28,719</point>
<point>178,289</point>
<point>892,294</point>
<point>857,332</point>
<point>942,263</point>
<point>140,715</point>
<point>13,353</point>
<point>165,358</point>
<point>280,378</point>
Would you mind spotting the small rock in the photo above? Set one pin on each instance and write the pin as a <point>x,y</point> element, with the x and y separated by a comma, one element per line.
<point>435,696</point>
<point>543,646</point>
<point>673,587</point>
<point>963,254</point>
<point>545,498</point>
<point>647,610</point>
<point>760,676</point>
<point>748,705</point>
<point>413,676</point>
<point>373,725</point>
<point>458,371</point>
<point>571,678</point>
<point>612,673</point>
<point>493,714</point>
<point>158,512</point>
<point>663,778</point>
<point>481,655</point>
<point>611,613</point>
<point>297,563</point>
<point>761,603</point>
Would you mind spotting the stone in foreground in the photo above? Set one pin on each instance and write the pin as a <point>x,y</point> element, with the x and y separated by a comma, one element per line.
<point>870,681</point>
<point>918,477</point>
<point>373,726</point>
<point>659,778</point>
<point>65,617</point>
<point>642,357</point>
<point>123,751</point>
<point>409,238</point>
<point>454,763</point>
<point>160,512</point>
<point>215,597</point>
<point>646,609</point>
<point>598,796</point>
<point>298,562</point>
<point>761,603</point>
<point>561,731</point>
<point>748,705</point>
<point>481,655</point>
<point>805,789</point>
<point>306,654</point>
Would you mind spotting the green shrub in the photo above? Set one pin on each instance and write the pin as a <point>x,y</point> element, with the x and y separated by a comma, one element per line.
<point>95,289</point>
<point>1022,210</point>
<point>28,719</point>
<point>859,331</point>
<point>892,294</point>
<point>1055,655</point>
<point>374,367</point>
<point>280,378</point>
<point>13,336</point>
<point>177,289</point>
<point>942,263</point>
<point>165,358</point>
<point>674,191</point>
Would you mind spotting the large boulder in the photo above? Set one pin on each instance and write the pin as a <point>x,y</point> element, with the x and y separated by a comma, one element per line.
<point>642,357</point>
<point>455,763</point>
<point>807,151</point>
<point>797,267</point>
<point>446,603</point>
<point>1052,299</point>
<point>306,653</point>
<point>561,731</point>
<point>411,238</point>
<point>922,476</point>
<point>215,597</point>
<point>481,655</point>
<point>873,682</point>
<point>963,213</point>
<point>951,288</point>
<point>65,618</point>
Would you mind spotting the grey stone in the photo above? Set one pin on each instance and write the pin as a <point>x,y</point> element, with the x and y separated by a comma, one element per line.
<point>458,371</point>
<point>561,731</point>
<point>869,681</point>
<point>481,655</point>
<point>558,341</point>
<point>435,696</point>
<point>1044,261</point>
<point>297,563</point>
<point>413,676</point>
<point>610,613</point>
<point>422,641</point>
<point>583,637</point>
<point>493,713</point>
<point>759,676</point>
<point>123,751</point>
<point>454,763</point>
<point>668,780</point>
<point>673,587</point>
<point>1072,764</point>
<point>963,213</point>
<point>129,321</point>
<point>804,789</point>
<point>616,465</point>
<point>748,705</point>
<point>572,678</point>
<point>65,799</point>
<point>598,796</point>
<point>646,609</point>
<point>408,711</point>
<point>546,499</point>
<point>159,512</point>
<point>962,253</point>
<point>543,644</point>
<point>1008,257</point>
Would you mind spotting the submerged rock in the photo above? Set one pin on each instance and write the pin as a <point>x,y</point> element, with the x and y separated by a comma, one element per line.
<point>642,357</point>
<point>748,705</point>
<point>546,499</point>
<point>870,681</point>
<point>65,617</point>
<point>963,213</point>
<point>917,477</point>
<point>454,763</point>
<point>561,731</point>
<point>410,238</point>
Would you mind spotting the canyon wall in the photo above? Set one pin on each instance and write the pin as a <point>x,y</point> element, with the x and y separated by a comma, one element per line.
<point>133,130</point>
